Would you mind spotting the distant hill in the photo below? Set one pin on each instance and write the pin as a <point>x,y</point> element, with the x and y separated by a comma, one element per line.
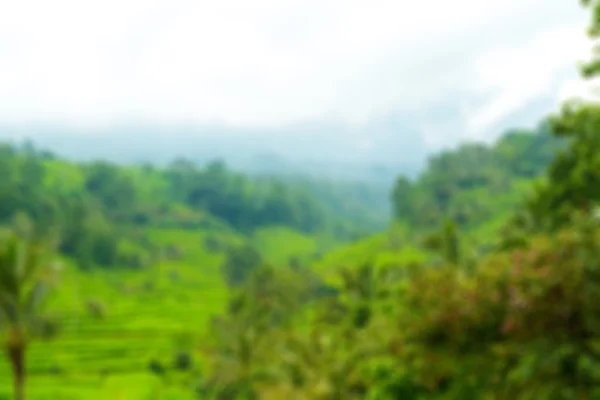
<point>324,150</point>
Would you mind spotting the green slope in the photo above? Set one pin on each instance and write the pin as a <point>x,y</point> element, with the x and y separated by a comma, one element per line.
<point>147,315</point>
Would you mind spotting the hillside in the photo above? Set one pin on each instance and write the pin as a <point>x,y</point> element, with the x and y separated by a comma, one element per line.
<point>146,247</point>
<point>424,311</point>
<point>166,268</point>
<point>140,242</point>
<point>239,214</point>
<point>124,201</point>
<point>476,186</point>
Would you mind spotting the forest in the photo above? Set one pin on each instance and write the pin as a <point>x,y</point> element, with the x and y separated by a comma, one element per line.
<point>474,280</point>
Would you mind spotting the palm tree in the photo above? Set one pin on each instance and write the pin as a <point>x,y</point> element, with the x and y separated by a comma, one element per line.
<point>26,276</point>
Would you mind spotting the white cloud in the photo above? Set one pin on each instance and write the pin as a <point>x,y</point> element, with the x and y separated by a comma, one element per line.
<point>517,75</point>
<point>269,62</point>
<point>588,90</point>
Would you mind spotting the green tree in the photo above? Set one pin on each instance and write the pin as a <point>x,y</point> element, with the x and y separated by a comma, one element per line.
<point>523,325</point>
<point>239,264</point>
<point>451,242</point>
<point>573,179</point>
<point>401,198</point>
<point>26,275</point>
<point>475,183</point>
<point>244,338</point>
<point>113,188</point>
<point>592,68</point>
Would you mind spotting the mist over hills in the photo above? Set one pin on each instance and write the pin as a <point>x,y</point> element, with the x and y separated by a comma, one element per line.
<point>376,151</point>
<point>327,150</point>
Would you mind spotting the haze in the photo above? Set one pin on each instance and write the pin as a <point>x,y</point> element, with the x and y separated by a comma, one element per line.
<point>387,77</point>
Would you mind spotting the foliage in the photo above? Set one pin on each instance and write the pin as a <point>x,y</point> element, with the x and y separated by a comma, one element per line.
<point>386,317</point>
<point>474,184</point>
<point>265,303</point>
<point>26,276</point>
<point>239,263</point>
<point>96,207</point>
<point>573,178</point>
<point>518,321</point>
<point>532,311</point>
<point>592,68</point>
<point>522,324</point>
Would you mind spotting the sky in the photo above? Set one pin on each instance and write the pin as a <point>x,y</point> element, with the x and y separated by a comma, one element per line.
<point>269,63</point>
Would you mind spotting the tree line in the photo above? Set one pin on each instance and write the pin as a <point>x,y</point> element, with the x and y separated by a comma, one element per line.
<point>519,321</point>
<point>95,208</point>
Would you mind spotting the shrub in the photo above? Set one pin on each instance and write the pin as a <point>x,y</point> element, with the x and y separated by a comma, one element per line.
<point>156,367</point>
<point>96,309</point>
<point>183,361</point>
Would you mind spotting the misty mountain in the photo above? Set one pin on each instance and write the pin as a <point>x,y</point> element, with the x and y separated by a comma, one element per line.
<point>376,151</point>
<point>380,152</point>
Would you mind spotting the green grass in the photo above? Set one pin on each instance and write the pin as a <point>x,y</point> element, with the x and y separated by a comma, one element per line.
<point>124,386</point>
<point>149,314</point>
<point>63,177</point>
<point>386,248</point>
<point>278,244</point>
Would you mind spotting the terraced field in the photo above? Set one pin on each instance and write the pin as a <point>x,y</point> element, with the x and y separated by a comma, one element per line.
<point>91,353</point>
<point>116,326</point>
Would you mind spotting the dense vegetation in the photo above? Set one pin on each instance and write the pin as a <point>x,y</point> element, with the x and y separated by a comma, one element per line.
<point>519,321</point>
<point>486,286</point>
<point>475,185</point>
<point>101,210</point>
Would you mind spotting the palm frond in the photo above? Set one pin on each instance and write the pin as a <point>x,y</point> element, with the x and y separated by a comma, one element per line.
<point>26,277</point>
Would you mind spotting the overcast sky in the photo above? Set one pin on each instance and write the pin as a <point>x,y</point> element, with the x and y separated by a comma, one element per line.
<point>254,63</point>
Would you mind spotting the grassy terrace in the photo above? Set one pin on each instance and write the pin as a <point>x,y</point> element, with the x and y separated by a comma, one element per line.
<point>143,318</point>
